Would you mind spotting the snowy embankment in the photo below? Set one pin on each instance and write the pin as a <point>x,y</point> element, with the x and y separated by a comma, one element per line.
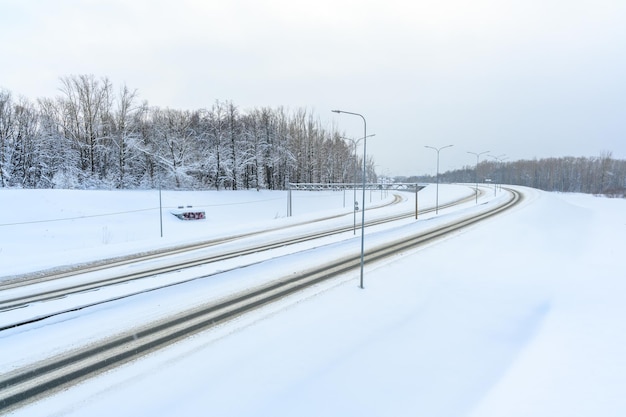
<point>41,229</point>
<point>521,315</point>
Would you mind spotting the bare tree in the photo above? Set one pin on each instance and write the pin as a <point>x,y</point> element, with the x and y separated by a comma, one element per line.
<point>6,136</point>
<point>86,104</point>
<point>25,153</point>
<point>125,137</point>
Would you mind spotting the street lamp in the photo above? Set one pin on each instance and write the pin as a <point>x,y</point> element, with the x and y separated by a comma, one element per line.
<point>500,159</point>
<point>363,207</point>
<point>476,172</point>
<point>355,142</point>
<point>437,192</point>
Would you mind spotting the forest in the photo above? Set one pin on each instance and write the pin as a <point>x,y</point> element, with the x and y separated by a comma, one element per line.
<point>592,175</point>
<point>94,136</point>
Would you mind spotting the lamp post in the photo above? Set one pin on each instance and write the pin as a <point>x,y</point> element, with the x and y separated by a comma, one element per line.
<point>355,142</point>
<point>437,192</point>
<point>160,209</point>
<point>500,159</point>
<point>476,172</point>
<point>160,202</point>
<point>362,208</point>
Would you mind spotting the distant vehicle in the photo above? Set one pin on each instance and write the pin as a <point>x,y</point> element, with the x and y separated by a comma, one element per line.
<point>189,213</point>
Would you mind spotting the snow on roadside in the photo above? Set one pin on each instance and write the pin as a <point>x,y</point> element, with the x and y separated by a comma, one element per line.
<point>40,229</point>
<point>575,364</point>
<point>520,315</point>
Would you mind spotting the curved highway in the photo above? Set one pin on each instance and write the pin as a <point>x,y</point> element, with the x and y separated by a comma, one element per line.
<point>24,294</point>
<point>31,382</point>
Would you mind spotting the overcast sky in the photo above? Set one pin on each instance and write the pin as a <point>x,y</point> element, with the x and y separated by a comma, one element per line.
<point>521,78</point>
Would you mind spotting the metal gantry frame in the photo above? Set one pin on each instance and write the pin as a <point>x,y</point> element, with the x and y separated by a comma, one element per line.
<point>308,186</point>
<point>339,186</point>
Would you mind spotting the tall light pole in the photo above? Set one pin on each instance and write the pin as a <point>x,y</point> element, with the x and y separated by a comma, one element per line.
<point>476,172</point>
<point>363,207</point>
<point>500,159</point>
<point>160,209</point>
<point>437,192</point>
<point>355,142</point>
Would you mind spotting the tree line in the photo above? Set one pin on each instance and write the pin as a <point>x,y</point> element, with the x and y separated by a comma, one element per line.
<point>593,175</point>
<point>94,136</point>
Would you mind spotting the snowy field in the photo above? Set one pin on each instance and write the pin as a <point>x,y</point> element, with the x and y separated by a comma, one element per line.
<point>522,315</point>
<point>36,227</point>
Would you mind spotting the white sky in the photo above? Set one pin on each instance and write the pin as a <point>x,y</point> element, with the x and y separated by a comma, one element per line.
<point>527,78</point>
